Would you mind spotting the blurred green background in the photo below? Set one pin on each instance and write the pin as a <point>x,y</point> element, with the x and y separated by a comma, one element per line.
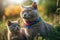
<point>49,11</point>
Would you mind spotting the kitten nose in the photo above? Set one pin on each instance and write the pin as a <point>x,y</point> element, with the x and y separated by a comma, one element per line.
<point>17,28</point>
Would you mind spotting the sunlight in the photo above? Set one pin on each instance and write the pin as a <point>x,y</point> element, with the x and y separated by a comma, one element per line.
<point>15,1</point>
<point>37,1</point>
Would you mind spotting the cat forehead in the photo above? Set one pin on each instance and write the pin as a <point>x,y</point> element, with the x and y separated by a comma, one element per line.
<point>15,24</point>
<point>28,8</point>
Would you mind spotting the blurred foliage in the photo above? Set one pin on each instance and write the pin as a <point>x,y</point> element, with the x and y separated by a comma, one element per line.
<point>48,11</point>
<point>58,3</point>
<point>1,10</point>
<point>56,33</point>
<point>50,6</point>
<point>12,11</point>
<point>28,2</point>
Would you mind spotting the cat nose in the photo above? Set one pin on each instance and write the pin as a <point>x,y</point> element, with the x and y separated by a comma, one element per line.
<point>17,28</point>
<point>25,15</point>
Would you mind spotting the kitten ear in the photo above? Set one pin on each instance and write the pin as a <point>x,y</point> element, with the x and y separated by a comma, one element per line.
<point>19,21</point>
<point>34,5</point>
<point>23,6</point>
<point>9,23</point>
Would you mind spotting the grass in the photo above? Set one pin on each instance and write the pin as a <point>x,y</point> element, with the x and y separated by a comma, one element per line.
<point>3,28</point>
<point>3,32</point>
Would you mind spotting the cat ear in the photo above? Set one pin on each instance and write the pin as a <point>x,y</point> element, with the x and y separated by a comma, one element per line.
<point>9,23</point>
<point>34,5</point>
<point>19,21</point>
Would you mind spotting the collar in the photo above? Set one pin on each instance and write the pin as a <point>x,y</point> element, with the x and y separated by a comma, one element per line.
<point>29,24</point>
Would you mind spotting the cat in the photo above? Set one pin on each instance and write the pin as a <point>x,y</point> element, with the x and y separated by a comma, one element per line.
<point>33,22</point>
<point>15,32</point>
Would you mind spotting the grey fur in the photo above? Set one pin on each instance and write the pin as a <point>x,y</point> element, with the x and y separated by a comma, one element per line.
<point>15,32</point>
<point>40,29</point>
